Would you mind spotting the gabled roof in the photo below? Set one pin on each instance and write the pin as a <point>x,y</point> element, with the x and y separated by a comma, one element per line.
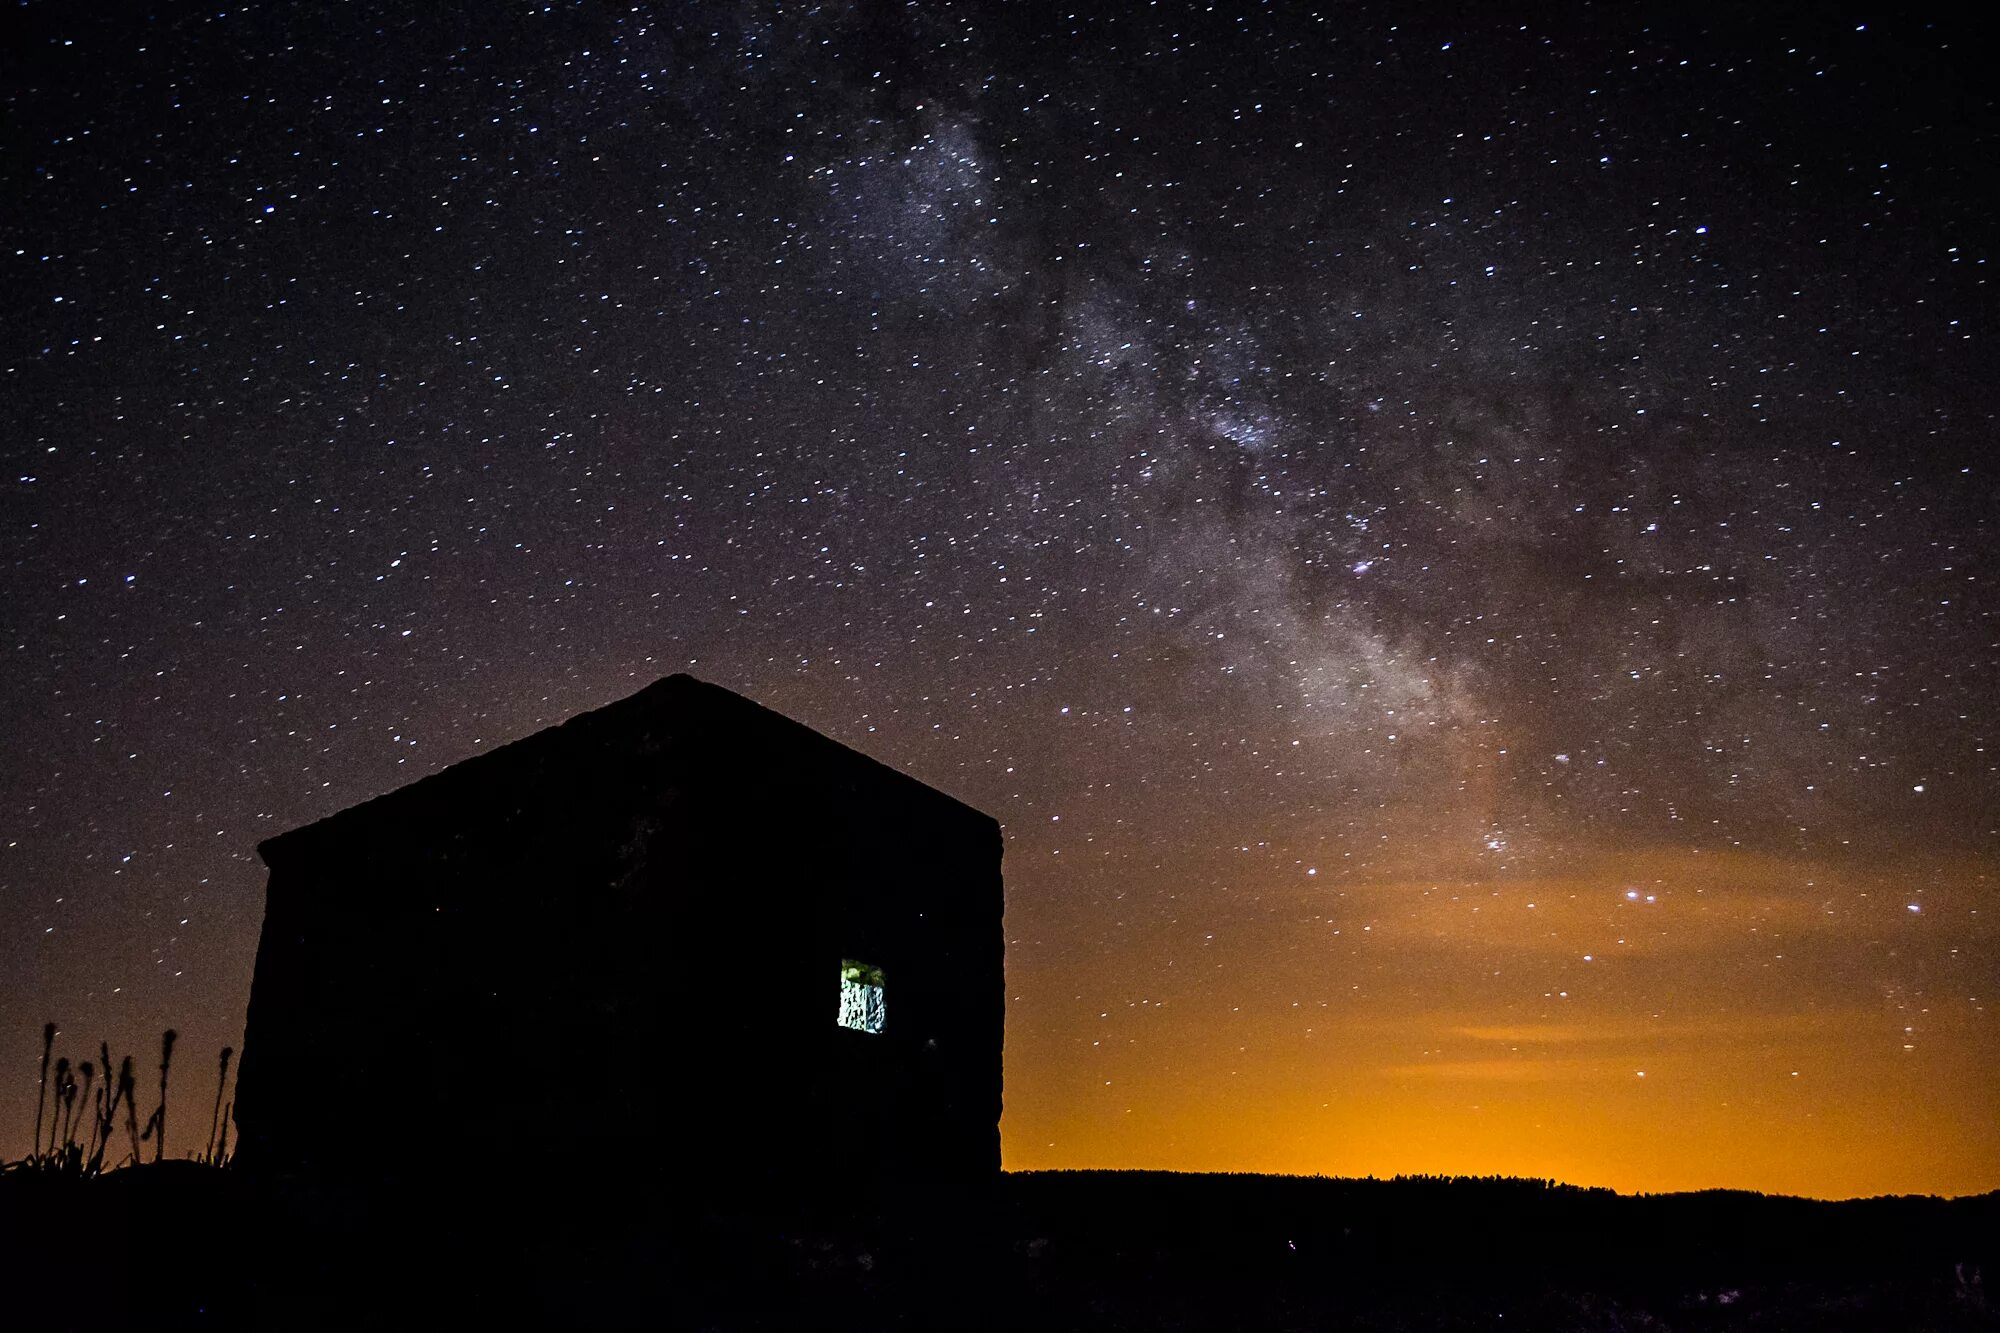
<point>718,713</point>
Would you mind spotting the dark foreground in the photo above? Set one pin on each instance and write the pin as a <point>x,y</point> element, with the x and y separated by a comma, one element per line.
<point>180,1246</point>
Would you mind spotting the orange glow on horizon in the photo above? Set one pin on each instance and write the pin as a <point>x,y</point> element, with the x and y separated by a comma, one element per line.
<point>1647,1021</point>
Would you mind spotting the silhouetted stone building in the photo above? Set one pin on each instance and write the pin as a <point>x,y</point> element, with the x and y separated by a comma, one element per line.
<point>679,937</point>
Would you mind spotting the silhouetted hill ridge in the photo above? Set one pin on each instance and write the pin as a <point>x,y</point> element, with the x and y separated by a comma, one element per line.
<point>177,1245</point>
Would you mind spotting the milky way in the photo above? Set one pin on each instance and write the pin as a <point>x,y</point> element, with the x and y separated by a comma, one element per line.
<point>1458,551</point>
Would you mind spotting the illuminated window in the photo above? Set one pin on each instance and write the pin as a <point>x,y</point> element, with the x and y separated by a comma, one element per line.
<point>861,1006</point>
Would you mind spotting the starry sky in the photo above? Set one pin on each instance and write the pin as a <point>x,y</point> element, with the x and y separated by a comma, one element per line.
<point>1457,548</point>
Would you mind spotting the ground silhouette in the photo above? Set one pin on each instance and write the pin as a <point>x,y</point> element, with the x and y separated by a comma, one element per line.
<point>179,1245</point>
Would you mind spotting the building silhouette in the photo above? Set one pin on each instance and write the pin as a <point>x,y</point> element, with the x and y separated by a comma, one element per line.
<point>679,940</point>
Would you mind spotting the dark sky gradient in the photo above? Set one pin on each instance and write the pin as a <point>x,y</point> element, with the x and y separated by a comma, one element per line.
<point>1460,552</point>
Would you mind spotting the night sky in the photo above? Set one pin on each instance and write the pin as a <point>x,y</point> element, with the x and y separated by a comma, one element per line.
<point>1458,550</point>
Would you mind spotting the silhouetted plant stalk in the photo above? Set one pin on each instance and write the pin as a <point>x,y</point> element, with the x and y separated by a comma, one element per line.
<point>166,1063</point>
<point>93,1148</point>
<point>106,1118</point>
<point>58,1134</point>
<point>156,1127</point>
<point>104,1095</point>
<point>216,1120</point>
<point>128,1086</point>
<point>41,1094</point>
